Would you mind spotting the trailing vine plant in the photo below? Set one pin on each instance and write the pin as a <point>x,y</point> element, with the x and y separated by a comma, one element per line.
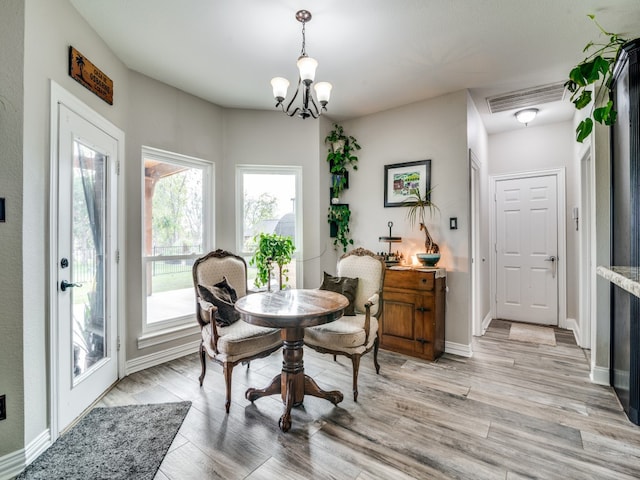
<point>340,157</point>
<point>340,215</point>
<point>272,250</point>
<point>596,69</point>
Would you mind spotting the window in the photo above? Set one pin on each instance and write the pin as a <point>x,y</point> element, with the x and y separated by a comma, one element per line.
<point>178,228</point>
<point>269,200</point>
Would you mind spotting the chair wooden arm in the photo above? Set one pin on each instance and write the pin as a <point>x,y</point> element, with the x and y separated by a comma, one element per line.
<point>207,315</point>
<point>367,319</point>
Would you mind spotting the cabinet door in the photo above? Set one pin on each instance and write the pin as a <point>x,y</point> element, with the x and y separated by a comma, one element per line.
<point>399,316</point>
<point>425,326</point>
<point>407,323</point>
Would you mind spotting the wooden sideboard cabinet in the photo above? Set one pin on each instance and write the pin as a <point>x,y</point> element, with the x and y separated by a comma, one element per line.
<point>413,304</point>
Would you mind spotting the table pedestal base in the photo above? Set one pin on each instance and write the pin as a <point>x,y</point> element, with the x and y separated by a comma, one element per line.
<point>292,383</point>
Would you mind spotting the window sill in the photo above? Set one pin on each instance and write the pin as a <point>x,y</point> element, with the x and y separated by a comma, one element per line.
<point>167,335</point>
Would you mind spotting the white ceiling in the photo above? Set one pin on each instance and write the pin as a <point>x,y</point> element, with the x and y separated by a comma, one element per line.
<point>378,54</point>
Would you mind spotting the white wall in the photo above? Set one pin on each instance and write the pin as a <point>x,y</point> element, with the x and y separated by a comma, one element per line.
<point>435,129</point>
<point>50,27</point>
<point>270,138</point>
<point>11,189</point>
<point>542,147</point>
<point>478,142</point>
<point>162,117</point>
<point>600,352</point>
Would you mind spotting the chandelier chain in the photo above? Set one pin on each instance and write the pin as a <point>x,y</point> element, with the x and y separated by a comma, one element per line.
<point>303,53</point>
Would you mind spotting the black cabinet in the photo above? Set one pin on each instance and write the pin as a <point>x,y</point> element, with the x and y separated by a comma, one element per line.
<point>625,232</point>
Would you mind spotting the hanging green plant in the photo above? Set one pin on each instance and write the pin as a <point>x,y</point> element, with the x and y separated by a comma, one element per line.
<point>339,215</point>
<point>595,69</point>
<point>340,156</point>
<point>272,249</point>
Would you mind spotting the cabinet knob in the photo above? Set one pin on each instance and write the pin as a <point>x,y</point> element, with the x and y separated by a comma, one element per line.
<point>422,340</point>
<point>422,309</point>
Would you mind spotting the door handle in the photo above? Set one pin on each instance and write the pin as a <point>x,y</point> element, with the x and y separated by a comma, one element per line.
<point>64,285</point>
<point>553,259</point>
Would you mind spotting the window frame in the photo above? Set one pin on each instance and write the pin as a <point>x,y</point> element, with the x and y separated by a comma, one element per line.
<point>208,231</point>
<point>294,170</point>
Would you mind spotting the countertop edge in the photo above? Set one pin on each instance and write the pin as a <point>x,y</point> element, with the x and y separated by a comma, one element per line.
<point>620,278</point>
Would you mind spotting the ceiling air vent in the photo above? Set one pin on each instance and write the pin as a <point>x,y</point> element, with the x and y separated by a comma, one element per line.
<point>526,98</point>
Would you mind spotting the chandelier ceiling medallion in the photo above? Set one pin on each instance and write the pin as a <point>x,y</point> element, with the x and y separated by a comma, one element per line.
<point>307,72</point>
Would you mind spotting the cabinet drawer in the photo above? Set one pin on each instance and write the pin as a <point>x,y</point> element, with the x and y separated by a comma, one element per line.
<point>412,280</point>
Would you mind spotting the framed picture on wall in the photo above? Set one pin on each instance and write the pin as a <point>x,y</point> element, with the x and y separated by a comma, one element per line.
<point>401,180</point>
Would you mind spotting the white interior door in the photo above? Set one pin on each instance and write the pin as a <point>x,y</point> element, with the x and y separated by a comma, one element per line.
<point>527,249</point>
<point>86,323</point>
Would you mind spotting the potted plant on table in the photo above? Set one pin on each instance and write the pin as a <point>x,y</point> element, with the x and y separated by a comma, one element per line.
<point>272,249</point>
<point>418,206</point>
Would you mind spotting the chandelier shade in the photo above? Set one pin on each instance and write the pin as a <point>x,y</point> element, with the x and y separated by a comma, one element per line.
<point>307,67</point>
<point>306,75</point>
<point>280,86</point>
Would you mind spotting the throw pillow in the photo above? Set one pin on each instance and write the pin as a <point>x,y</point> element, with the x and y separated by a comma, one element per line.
<point>344,285</point>
<point>225,285</point>
<point>220,297</point>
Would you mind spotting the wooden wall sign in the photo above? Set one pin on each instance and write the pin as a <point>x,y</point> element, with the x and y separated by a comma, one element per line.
<point>87,74</point>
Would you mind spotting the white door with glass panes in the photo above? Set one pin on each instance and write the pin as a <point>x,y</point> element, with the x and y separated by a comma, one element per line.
<point>86,264</point>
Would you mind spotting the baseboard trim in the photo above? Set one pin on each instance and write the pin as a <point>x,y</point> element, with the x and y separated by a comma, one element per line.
<point>485,323</point>
<point>37,446</point>
<point>14,463</point>
<point>599,375</point>
<point>157,358</point>
<point>572,324</point>
<point>459,349</point>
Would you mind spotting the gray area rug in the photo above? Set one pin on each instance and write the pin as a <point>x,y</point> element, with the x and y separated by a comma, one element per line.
<point>112,443</point>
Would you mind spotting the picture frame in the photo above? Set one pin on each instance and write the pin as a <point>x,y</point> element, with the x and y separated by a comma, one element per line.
<point>401,178</point>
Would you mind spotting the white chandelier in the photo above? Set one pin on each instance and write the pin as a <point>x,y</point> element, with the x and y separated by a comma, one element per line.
<point>307,72</point>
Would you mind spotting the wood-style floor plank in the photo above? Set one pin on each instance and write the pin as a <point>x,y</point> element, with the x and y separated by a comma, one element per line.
<point>514,410</point>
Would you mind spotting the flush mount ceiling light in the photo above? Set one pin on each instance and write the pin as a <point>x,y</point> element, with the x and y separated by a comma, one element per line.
<point>526,115</point>
<point>307,72</point>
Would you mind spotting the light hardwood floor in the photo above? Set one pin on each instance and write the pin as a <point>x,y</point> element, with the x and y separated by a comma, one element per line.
<point>514,410</point>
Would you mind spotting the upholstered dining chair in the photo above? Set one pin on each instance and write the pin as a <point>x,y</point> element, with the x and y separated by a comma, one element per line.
<point>354,334</point>
<point>219,279</point>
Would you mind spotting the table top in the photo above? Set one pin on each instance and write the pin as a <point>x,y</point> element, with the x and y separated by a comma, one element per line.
<point>292,308</point>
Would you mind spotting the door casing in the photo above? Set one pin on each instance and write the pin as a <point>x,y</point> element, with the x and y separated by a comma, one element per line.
<point>60,95</point>
<point>562,234</point>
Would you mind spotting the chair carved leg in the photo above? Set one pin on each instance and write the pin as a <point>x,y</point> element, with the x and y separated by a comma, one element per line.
<point>203,362</point>
<point>227,369</point>
<point>376,343</point>
<point>355,360</point>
